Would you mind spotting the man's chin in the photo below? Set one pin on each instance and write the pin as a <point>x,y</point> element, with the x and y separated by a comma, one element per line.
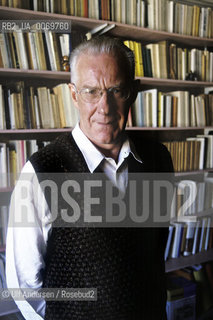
<point>107,140</point>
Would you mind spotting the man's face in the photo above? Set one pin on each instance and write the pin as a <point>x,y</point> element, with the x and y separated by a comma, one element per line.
<point>102,121</point>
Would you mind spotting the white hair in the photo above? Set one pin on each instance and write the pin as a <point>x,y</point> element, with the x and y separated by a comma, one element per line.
<point>101,45</point>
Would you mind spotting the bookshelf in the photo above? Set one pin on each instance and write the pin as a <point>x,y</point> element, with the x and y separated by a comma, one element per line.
<point>10,73</point>
<point>124,31</point>
<point>120,30</point>
<point>183,262</point>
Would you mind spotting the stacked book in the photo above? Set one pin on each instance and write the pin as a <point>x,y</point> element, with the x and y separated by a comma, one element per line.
<point>13,156</point>
<point>167,60</point>
<point>34,49</point>
<point>189,237</point>
<point>173,16</point>
<point>36,108</point>
<point>191,218</point>
<point>154,108</point>
<point>164,15</point>
<point>181,298</point>
<point>194,153</point>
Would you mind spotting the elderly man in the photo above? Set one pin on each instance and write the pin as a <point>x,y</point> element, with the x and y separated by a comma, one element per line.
<point>125,265</point>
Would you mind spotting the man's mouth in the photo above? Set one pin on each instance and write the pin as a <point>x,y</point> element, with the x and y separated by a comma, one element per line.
<point>106,123</point>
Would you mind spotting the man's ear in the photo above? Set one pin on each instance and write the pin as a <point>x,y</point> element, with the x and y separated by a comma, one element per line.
<point>134,90</point>
<point>73,94</point>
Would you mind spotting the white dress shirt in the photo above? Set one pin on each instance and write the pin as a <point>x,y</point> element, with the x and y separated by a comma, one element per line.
<point>26,246</point>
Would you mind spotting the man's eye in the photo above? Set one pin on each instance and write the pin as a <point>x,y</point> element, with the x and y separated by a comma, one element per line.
<point>117,91</point>
<point>91,91</point>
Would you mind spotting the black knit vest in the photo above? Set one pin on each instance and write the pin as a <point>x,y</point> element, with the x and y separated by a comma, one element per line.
<point>124,264</point>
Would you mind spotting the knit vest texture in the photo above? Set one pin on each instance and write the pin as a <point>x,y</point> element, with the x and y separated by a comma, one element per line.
<point>125,265</point>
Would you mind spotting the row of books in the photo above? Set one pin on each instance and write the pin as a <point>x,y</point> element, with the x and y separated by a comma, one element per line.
<point>192,198</point>
<point>167,60</point>
<point>190,292</point>
<point>106,10</point>
<point>181,298</point>
<point>162,15</point>
<point>195,153</point>
<point>34,50</point>
<point>154,108</point>
<point>189,237</point>
<point>13,156</point>
<point>180,18</point>
<point>35,108</point>
<point>44,51</point>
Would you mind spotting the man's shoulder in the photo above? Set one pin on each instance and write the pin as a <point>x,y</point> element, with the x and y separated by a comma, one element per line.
<point>153,154</point>
<point>61,155</point>
<point>52,153</point>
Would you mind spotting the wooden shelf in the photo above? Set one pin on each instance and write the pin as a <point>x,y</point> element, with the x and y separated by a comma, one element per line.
<point>120,30</point>
<point>61,76</point>
<point>195,172</point>
<point>35,74</point>
<point>166,128</point>
<point>46,134</point>
<point>149,35</point>
<point>183,262</point>
<point>38,131</point>
<point>170,83</point>
<point>28,134</point>
<point>6,190</point>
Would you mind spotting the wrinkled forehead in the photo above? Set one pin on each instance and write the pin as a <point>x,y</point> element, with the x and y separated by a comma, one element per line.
<point>113,62</point>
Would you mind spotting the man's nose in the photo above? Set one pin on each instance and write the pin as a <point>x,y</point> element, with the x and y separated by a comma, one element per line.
<point>104,105</point>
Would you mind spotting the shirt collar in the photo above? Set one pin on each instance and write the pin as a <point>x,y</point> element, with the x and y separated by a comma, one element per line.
<point>127,148</point>
<point>93,156</point>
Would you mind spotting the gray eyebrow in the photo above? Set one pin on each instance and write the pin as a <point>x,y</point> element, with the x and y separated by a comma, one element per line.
<point>90,87</point>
